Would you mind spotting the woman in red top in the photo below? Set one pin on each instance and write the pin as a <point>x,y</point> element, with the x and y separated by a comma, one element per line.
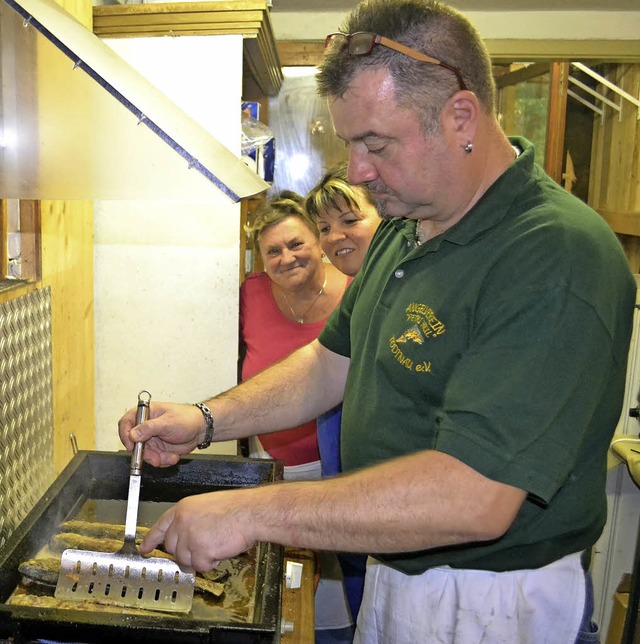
<point>283,309</point>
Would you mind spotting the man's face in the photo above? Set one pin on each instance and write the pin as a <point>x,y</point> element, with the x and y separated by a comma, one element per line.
<point>406,172</point>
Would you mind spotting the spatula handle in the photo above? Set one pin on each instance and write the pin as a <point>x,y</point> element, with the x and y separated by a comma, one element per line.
<point>142,413</point>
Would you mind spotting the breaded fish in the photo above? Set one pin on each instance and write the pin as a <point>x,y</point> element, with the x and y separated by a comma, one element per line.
<point>100,530</point>
<point>45,570</point>
<point>63,540</point>
<point>44,601</point>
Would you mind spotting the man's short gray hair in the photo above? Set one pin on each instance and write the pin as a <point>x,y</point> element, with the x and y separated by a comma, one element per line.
<point>428,26</point>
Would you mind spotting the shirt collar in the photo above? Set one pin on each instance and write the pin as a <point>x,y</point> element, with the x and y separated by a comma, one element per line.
<point>490,209</point>
<point>494,204</point>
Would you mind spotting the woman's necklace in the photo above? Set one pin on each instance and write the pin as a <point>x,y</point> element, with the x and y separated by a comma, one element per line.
<point>300,319</point>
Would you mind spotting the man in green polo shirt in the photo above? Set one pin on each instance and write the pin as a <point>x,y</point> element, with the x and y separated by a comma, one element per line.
<point>480,355</point>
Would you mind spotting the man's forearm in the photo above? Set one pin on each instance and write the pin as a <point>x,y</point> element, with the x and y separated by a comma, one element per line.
<point>412,503</point>
<point>291,392</point>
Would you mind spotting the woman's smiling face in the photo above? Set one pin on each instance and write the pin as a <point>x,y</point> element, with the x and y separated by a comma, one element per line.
<point>290,253</point>
<point>346,232</point>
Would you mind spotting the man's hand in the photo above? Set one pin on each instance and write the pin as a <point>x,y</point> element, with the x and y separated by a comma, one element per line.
<point>171,431</point>
<point>203,529</point>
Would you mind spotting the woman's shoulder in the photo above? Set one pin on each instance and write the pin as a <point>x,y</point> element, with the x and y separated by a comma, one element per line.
<point>256,289</point>
<point>256,282</point>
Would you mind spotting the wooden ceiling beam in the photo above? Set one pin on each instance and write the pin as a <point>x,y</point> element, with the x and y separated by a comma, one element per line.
<point>249,18</point>
<point>295,53</point>
<point>300,53</point>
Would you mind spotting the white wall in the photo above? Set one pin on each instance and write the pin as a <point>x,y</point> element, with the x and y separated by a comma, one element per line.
<point>166,274</point>
<point>561,25</point>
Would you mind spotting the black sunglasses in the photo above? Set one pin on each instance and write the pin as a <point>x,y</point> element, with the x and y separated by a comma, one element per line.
<point>362,43</point>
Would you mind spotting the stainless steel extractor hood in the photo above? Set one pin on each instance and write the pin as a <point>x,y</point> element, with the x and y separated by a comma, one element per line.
<point>78,122</point>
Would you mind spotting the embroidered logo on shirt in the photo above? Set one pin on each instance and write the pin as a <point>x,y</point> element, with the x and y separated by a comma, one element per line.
<point>424,325</point>
<point>413,334</point>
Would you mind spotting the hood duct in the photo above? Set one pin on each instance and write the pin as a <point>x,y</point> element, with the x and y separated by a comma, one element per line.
<point>62,136</point>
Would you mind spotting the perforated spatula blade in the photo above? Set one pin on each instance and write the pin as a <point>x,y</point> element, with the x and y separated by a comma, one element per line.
<point>126,578</point>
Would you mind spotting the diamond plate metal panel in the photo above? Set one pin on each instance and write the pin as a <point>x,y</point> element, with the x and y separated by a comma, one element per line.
<point>26,407</point>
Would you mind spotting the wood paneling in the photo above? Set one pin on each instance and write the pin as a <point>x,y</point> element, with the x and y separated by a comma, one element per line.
<point>30,239</point>
<point>298,603</point>
<point>614,182</point>
<point>4,252</point>
<point>558,81</point>
<point>67,267</point>
<point>623,223</point>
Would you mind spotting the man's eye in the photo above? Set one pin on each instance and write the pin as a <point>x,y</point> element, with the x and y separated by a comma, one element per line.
<point>273,251</point>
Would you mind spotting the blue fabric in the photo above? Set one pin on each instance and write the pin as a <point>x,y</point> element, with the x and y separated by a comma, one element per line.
<point>353,568</point>
<point>589,632</point>
<point>353,565</point>
<point>335,636</point>
<point>329,441</point>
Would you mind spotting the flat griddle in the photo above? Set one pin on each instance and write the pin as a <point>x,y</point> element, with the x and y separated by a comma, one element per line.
<point>100,480</point>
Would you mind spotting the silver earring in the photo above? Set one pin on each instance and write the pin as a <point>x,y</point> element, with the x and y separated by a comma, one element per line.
<point>469,147</point>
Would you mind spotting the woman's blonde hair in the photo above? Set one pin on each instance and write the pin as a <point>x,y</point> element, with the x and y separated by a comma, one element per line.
<point>334,189</point>
<point>285,204</point>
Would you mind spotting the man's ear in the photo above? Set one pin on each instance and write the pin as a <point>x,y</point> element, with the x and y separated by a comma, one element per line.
<point>461,116</point>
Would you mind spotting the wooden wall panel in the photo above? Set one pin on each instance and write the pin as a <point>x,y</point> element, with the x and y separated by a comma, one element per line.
<point>558,84</point>
<point>67,267</point>
<point>4,253</point>
<point>614,185</point>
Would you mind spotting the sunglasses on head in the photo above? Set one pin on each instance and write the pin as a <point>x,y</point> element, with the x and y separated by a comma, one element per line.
<point>362,43</point>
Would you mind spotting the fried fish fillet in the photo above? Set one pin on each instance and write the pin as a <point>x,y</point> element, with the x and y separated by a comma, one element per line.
<point>44,601</point>
<point>45,570</point>
<point>62,540</point>
<point>100,530</point>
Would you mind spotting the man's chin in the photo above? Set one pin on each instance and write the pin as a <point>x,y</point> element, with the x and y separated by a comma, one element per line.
<point>388,212</point>
<point>389,206</point>
<point>382,206</point>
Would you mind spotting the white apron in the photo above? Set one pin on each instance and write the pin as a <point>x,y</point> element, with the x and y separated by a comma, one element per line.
<point>449,606</point>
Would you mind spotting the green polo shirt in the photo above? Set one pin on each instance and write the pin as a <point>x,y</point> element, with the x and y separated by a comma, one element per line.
<point>502,342</point>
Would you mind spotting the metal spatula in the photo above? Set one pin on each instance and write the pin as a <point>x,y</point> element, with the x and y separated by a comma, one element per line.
<point>126,578</point>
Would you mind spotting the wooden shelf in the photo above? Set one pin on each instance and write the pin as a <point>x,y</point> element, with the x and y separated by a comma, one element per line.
<point>249,18</point>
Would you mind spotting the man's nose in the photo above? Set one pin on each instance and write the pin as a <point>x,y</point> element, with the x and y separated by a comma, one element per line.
<point>360,170</point>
